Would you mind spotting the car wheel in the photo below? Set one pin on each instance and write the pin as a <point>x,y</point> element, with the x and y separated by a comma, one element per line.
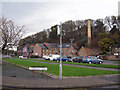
<point>100,62</point>
<point>90,62</point>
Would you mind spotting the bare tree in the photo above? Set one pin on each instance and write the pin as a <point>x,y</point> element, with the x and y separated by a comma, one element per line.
<point>10,33</point>
<point>111,21</point>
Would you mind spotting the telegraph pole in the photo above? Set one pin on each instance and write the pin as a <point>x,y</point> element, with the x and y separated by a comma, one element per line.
<point>60,66</point>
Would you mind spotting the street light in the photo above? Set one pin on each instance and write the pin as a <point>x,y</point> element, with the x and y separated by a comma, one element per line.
<point>71,40</point>
<point>60,66</point>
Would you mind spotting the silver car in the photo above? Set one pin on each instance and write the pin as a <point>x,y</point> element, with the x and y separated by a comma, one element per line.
<point>92,59</point>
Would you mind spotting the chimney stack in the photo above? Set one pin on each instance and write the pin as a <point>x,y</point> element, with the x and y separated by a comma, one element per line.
<point>89,33</point>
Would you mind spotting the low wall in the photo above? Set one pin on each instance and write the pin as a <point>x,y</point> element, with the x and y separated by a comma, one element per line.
<point>110,57</point>
<point>113,57</point>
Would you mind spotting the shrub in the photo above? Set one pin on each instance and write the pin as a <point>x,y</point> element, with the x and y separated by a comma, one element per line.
<point>34,56</point>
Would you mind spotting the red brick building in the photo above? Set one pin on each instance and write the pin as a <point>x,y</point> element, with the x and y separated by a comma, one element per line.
<point>41,49</point>
<point>87,52</point>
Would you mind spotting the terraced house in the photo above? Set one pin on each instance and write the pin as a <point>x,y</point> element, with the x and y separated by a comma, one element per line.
<point>88,51</point>
<point>41,49</point>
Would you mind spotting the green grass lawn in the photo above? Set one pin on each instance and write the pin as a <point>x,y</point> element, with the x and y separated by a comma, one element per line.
<point>67,70</point>
<point>84,64</point>
<point>117,62</point>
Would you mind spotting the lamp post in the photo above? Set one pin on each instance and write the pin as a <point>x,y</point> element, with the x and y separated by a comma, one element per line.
<point>72,39</point>
<point>60,66</point>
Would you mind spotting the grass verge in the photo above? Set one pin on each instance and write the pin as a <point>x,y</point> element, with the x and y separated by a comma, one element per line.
<point>117,62</point>
<point>84,64</point>
<point>67,70</point>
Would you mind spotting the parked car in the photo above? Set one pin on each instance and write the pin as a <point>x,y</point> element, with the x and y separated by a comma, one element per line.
<point>69,59</point>
<point>21,57</point>
<point>47,57</point>
<point>44,56</point>
<point>64,58</point>
<point>92,59</point>
<point>75,59</point>
<point>54,57</point>
<point>51,57</point>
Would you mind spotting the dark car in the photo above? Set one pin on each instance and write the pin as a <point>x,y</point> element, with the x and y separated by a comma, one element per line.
<point>64,58</point>
<point>75,59</point>
<point>92,59</point>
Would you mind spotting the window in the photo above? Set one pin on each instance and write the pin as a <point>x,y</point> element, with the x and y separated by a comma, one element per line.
<point>36,53</point>
<point>79,52</point>
<point>73,51</point>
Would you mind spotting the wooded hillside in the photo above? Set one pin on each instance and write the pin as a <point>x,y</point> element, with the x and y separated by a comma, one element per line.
<point>104,32</point>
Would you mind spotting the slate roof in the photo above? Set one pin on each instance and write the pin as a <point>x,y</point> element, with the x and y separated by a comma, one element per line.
<point>30,49</point>
<point>42,46</point>
<point>51,45</point>
<point>65,45</point>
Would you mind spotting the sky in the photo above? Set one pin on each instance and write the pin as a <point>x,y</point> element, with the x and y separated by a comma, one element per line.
<point>38,15</point>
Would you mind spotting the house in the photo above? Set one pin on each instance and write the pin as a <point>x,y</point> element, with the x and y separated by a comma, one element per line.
<point>30,49</point>
<point>88,51</point>
<point>68,49</point>
<point>41,49</point>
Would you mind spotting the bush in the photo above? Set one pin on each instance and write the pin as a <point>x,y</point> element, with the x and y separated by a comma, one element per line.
<point>34,56</point>
<point>103,52</point>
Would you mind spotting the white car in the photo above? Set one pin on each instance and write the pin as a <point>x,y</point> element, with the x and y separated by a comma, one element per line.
<point>20,56</point>
<point>51,57</point>
<point>48,57</point>
<point>54,57</point>
<point>44,57</point>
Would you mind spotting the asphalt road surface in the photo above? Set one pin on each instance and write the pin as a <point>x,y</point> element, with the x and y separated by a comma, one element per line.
<point>10,70</point>
<point>25,78</point>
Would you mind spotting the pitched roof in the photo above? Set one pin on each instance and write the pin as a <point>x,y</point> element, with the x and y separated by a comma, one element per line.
<point>42,46</point>
<point>51,45</point>
<point>66,45</point>
<point>30,49</point>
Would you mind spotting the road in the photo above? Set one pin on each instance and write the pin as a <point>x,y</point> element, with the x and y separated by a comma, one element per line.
<point>16,77</point>
<point>10,70</point>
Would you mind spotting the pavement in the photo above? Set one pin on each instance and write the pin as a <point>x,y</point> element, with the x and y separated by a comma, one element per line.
<point>66,82</point>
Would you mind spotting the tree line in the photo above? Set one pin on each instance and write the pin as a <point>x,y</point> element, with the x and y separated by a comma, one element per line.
<point>105,33</point>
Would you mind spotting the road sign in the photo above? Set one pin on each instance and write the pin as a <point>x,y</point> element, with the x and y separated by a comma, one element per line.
<point>34,68</point>
<point>38,68</point>
<point>25,52</point>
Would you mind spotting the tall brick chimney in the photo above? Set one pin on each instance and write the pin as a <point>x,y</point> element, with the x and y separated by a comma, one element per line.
<point>89,33</point>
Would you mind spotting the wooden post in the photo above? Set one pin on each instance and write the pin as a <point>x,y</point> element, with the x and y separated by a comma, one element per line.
<point>42,74</point>
<point>33,73</point>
